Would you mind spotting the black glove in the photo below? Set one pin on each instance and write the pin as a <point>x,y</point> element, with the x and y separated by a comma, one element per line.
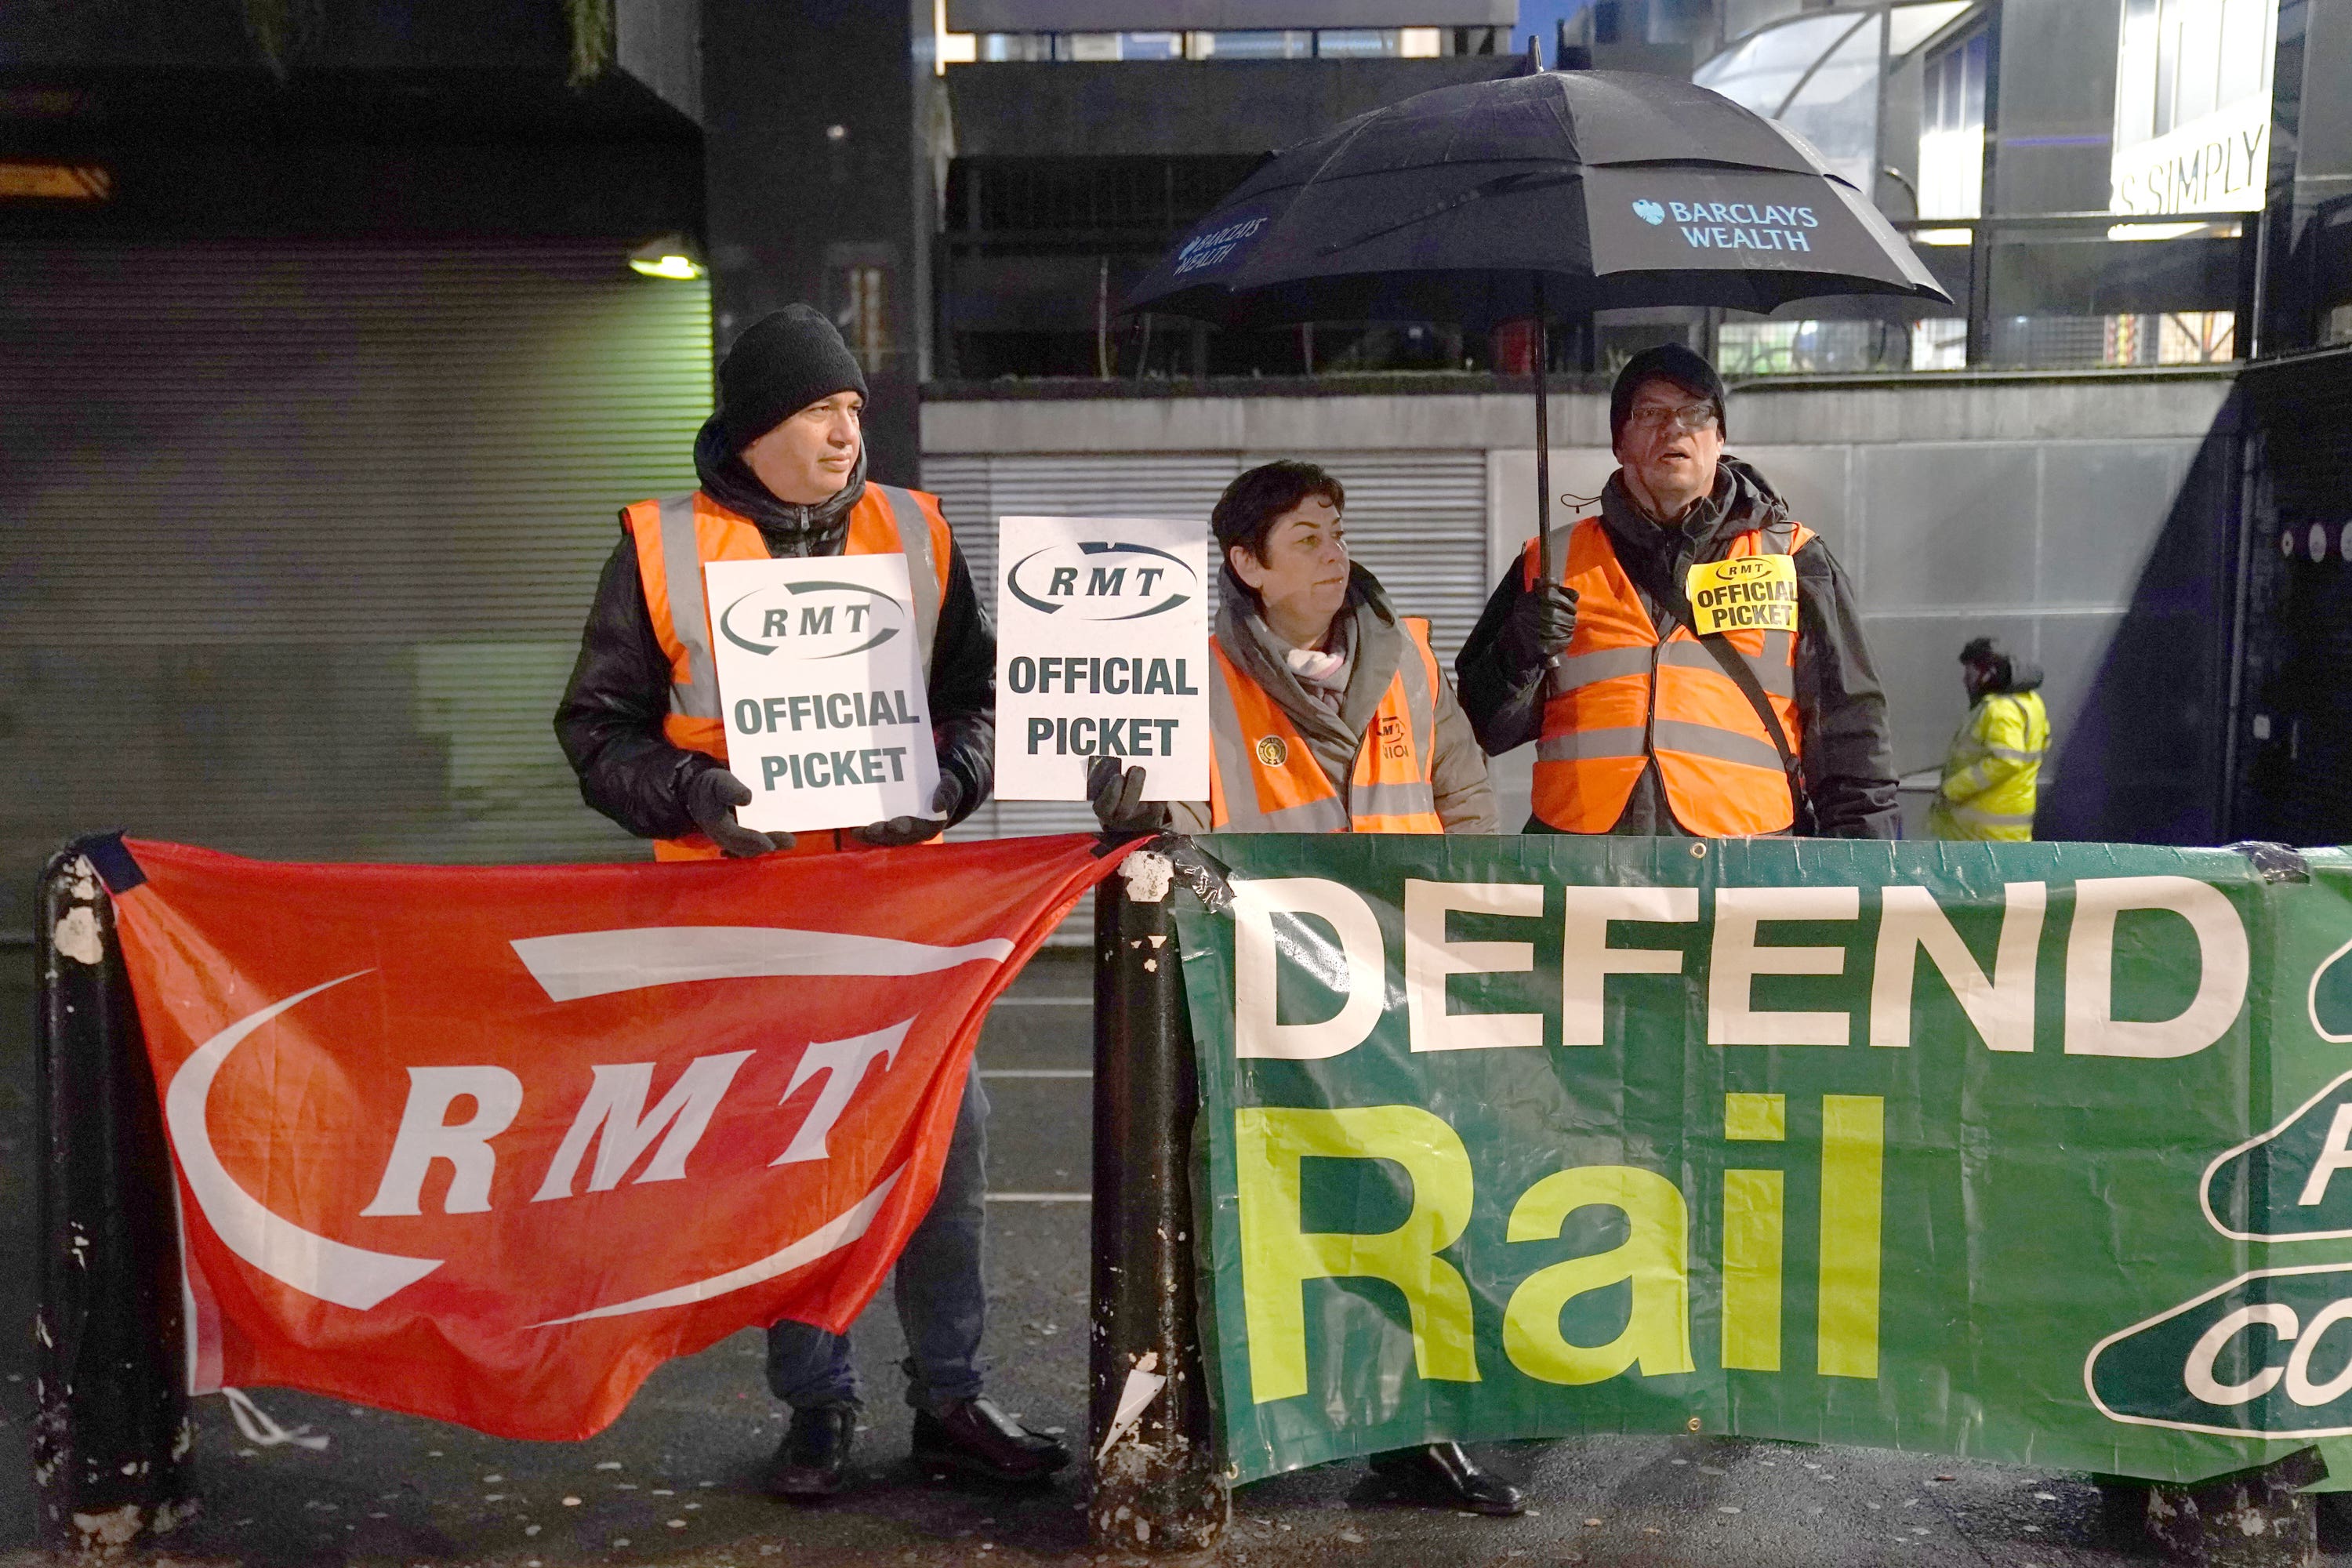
<point>711,797</point>
<point>1539,626</point>
<point>903,831</point>
<point>1118,799</point>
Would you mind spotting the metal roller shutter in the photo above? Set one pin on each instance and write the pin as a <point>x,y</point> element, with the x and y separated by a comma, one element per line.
<point>298,540</point>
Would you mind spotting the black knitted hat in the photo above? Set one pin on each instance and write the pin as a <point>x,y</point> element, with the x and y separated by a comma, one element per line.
<point>1677,364</point>
<point>1985,654</point>
<point>778,366</point>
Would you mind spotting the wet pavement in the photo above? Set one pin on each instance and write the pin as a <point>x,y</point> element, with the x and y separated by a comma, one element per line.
<point>676,1480</point>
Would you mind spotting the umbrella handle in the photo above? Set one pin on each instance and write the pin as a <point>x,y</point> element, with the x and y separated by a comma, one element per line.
<point>1547,566</point>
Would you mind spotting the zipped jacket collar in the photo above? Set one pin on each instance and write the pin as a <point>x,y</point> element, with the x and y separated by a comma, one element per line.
<point>789,531</point>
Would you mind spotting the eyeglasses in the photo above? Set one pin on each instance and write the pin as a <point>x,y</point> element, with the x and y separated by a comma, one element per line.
<point>1691,416</point>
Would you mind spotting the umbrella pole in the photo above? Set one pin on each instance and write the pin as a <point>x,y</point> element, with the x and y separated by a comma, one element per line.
<point>1543,436</point>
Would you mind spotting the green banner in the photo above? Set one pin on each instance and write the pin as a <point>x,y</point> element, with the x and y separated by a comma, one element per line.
<point>2037,1153</point>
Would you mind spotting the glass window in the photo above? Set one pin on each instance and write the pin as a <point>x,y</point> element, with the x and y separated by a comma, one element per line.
<point>1151,45</point>
<point>2193,105</point>
<point>1837,107</point>
<point>1909,26</point>
<point>1263,44</point>
<point>1939,343</point>
<point>1016,47</point>
<point>1764,70</point>
<point>1952,131</point>
<point>1349,43</point>
<point>1799,347</point>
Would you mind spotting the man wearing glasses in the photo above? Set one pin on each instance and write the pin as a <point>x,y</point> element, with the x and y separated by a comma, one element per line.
<point>1698,670</point>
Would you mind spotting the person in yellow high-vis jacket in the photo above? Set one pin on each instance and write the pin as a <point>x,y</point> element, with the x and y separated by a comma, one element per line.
<point>1993,773</point>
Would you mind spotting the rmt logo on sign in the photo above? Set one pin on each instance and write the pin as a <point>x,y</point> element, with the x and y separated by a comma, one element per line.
<point>1094,580</point>
<point>820,620</point>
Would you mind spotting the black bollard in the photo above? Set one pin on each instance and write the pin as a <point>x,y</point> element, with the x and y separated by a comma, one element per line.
<point>2260,1517</point>
<point>111,1430</point>
<point>1157,1486</point>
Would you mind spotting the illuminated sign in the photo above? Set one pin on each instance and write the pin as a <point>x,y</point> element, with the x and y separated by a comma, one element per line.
<point>2192,106</point>
<point>56,182</point>
<point>2219,164</point>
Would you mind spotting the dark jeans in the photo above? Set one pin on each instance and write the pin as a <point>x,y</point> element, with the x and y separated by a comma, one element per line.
<point>942,1301</point>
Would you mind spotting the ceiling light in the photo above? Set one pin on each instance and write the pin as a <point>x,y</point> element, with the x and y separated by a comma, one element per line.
<point>672,256</point>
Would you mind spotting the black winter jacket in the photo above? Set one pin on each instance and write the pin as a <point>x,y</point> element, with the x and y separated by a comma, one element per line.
<point>1845,750</point>
<point>610,721</point>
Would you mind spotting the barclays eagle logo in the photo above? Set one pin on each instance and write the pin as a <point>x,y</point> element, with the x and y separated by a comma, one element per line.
<point>1649,212</point>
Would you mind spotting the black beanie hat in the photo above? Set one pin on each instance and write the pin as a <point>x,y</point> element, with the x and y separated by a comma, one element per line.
<point>779,365</point>
<point>1675,363</point>
<point>1985,654</point>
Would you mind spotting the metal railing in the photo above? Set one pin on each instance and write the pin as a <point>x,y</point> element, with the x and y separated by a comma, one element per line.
<point>2046,291</point>
<point>2054,292</point>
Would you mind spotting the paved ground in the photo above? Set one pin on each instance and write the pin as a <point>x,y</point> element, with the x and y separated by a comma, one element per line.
<point>674,1480</point>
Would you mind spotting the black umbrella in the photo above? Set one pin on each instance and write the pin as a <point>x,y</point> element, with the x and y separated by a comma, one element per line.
<point>1487,202</point>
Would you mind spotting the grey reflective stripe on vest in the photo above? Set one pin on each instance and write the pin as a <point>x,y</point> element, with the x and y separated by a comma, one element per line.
<point>922,571</point>
<point>1328,815</point>
<point>1724,745</point>
<point>1773,670</point>
<point>1583,745</point>
<point>1239,779</point>
<point>1416,799</point>
<point>1602,664</point>
<point>1334,813</point>
<point>689,616</point>
<point>1774,674</point>
<point>1978,816</point>
<point>2008,753</point>
<point>1420,796</point>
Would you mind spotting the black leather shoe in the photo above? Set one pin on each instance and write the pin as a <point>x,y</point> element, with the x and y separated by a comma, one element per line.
<point>813,1462</point>
<point>1445,1476</point>
<point>980,1440</point>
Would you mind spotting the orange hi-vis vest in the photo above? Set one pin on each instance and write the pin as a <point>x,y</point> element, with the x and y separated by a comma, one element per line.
<point>1264,778</point>
<point>1619,697</point>
<point>676,536</point>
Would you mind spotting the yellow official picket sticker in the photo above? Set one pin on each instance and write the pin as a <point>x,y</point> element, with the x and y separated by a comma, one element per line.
<point>1752,592</point>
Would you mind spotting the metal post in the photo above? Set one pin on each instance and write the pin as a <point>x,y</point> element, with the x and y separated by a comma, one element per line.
<point>1981,296</point>
<point>112,1427</point>
<point>2260,1517</point>
<point>1157,1488</point>
<point>1102,320</point>
<point>1543,562</point>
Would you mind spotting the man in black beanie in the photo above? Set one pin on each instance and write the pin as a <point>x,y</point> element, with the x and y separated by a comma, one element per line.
<point>782,465</point>
<point>1696,667</point>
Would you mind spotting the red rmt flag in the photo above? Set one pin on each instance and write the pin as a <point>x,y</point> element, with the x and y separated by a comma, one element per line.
<point>489,1145</point>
